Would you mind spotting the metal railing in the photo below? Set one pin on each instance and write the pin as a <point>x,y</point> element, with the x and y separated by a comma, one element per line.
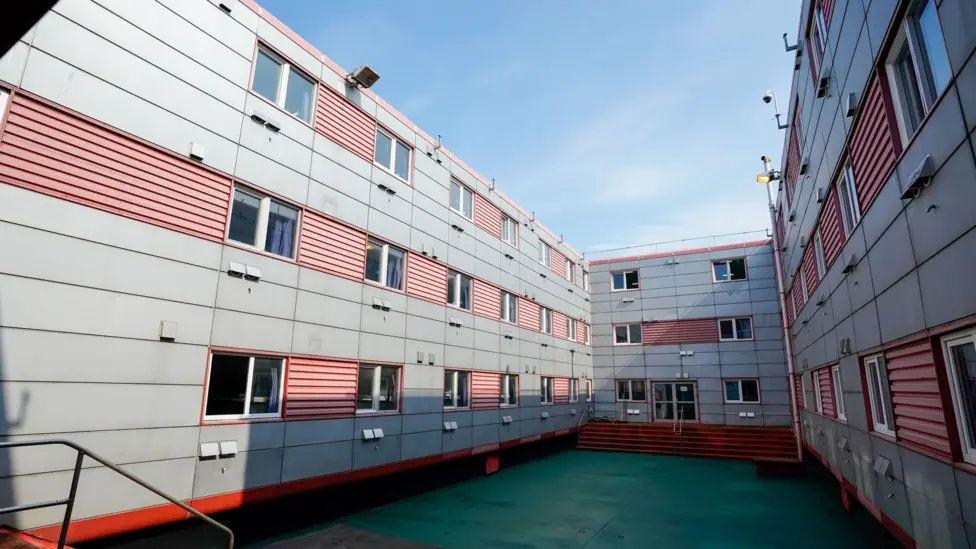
<point>69,502</point>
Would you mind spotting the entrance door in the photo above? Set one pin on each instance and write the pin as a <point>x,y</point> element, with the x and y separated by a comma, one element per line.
<point>675,401</point>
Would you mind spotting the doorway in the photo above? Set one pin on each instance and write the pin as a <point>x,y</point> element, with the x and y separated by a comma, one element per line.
<point>675,401</point>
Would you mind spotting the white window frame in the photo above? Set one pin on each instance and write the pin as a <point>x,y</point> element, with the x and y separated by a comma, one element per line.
<point>587,333</point>
<point>586,281</point>
<point>875,372</point>
<point>456,280</point>
<point>570,271</point>
<point>624,273</point>
<point>510,222</point>
<point>248,389</point>
<point>571,329</point>
<point>377,383</point>
<point>460,209</point>
<point>818,252</point>
<point>640,341</point>
<point>728,269</point>
<point>803,390</point>
<point>803,282</point>
<point>509,305</point>
<point>838,385</point>
<point>817,397</point>
<point>264,216</point>
<point>384,265</point>
<point>505,393</point>
<point>738,382</point>
<point>281,91</point>
<point>393,155</point>
<point>948,342</point>
<point>547,389</point>
<point>850,210</point>
<point>545,320</point>
<point>455,381</point>
<point>545,254</point>
<point>4,98</point>
<point>735,329</point>
<point>573,389</point>
<point>818,24</point>
<point>589,390</point>
<point>630,390</point>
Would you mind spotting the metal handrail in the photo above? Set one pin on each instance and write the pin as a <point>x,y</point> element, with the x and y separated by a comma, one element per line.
<point>69,502</point>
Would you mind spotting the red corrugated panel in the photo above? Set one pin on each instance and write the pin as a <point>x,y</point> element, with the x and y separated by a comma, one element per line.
<point>798,297</point>
<point>426,279</point>
<point>487,216</point>
<point>790,317</point>
<point>332,247</point>
<point>798,389</point>
<point>810,267</point>
<point>874,147</point>
<point>826,392</point>
<point>487,300</point>
<point>560,390</point>
<point>345,123</point>
<point>827,7</point>
<point>557,263</point>
<point>52,151</point>
<point>793,160</point>
<point>320,388</point>
<point>484,389</point>
<point>528,314</point>
<point>916,398</point>
<point>560,327</point>
<point>780,229</point>
<point>831,228</point>
<point>582,332</point>
<point>662,332</point>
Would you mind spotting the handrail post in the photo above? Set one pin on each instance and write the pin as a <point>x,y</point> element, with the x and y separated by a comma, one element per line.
<point>69,507</point>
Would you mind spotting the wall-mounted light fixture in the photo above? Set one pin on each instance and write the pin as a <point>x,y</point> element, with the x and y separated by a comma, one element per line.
<point>363,76</point>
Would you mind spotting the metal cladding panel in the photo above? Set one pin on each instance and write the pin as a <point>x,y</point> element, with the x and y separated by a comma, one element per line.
<point>344,123</point>
<point>874,147</point>
<point>557,263</point>
<point>320,388</point>
<point>798,297</point>
<point>52,151</point>
<point>332,247</point>
<point>560,390</point>
<point>487,216</point>
<point>826,392</point>
<point>426,279</point>
<point>831,228</point>
<point>528,314</point>
<point>809,267</point>
<point>484,390</point>
<point>793,160</point>
<point>487,300</point>
<point>662,332</point>
<point>560,325</point>
<point>916,398</point>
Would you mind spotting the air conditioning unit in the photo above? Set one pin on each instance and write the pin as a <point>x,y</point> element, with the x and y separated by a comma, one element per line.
<point>921,177</point>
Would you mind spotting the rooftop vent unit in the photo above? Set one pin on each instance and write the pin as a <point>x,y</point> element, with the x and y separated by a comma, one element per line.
<point>363,76</point>
<point>920,178</point>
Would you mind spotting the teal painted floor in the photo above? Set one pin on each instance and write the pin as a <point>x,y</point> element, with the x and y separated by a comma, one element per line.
<point>600,499</point>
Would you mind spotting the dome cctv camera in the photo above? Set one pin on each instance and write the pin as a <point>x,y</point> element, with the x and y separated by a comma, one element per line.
<point>768,97</point>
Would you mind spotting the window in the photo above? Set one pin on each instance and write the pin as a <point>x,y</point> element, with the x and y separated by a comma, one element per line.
<point>918,65</point>
<point>570,271</point>
<point>729,269</point>
<point>243,387</point>
<point>631,390</point>
<point>377,389</point>
<point>509,230</point>
<point>818,36</point>
<point>546,390</point>
<point>459,290</point>
<point>850,212</point>
<point>456,388</point>
<point>586,281</point>
<point>879,397</point>
<point>509,308</point>
<point>589,390</point>
<point>279,82</point>
<point>545,320</point>
<point>508,390</point>
<point>624,280</point>
<point>385,264</point>
<point>803,389</point>
<point>838,393</point>
<point>586,334</point>
<point>571,329</point>
<point>392,155</point>
<point>742,391</point>
<point>262,223</point>
<point>462,200</point>
<point>818,251</point>
<point>735,329</point>
<point>573,390</point>
<point>960,361</point>
<point>817,397</point>
<point>627,334</point>
<point>544,253</point>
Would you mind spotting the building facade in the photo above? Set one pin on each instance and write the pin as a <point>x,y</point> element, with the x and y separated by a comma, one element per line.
<point>238,274</point>
<point>875,223</point>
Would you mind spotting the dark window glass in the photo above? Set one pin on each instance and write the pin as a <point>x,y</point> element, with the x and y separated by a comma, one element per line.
<point>910,97</point>
<point>364,392</point>
<point>267,70</point>
<point>721,270</point>
<point>244,217</point>
<point>934,45</point>
<point>726,329</point>
<point>448,388</point>
<point>374,260</point>
<point>623,390</point>
<point>964,361</point>
<point>743,328</point>
<point>282,222</point>
<point>632,282</point>
<point>737,267</point>
<point>635,333</point>
<point>732,390</point>
<point>462,396</point>
<point>228,385</point>
<point>465,292</point>
<point>388,388</point>
<point>750,390</point>
<point>620,334</point>
<point>265,386</point>
<point>402,168</point>
<point>637,389</point>
<point>299,96</point>
<point>383,147</point>
<point>618,281</point>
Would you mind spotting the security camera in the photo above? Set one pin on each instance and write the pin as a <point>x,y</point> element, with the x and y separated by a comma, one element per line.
<point>764,159</point>
<point>768,98</point>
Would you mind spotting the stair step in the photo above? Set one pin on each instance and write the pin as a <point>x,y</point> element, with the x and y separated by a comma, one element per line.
<point>676,448</point>
<point>725,455</point>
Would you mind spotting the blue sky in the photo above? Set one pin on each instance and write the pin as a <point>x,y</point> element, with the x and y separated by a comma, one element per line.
<point>618,123</point>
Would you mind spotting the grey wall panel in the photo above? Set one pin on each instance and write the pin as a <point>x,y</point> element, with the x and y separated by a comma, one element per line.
<point>417,445</point>
<point>314,339</point>
<point>240,472</point>
<point>259,298</point>
<point>373,453</point>
<point>249,437</point>
<point>12,63</point>
<point>250,331</point>
<point>313,460</point>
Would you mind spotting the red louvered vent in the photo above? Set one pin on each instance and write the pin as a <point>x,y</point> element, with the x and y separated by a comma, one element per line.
<point>831,228</point>
<point>827,8</point>
<point>560,390</point>
<point>345,123</point>
<point>790,316</point>
<point>487,300</point>
<point>662,332</point>
<point>826,392</point>
<point>798,390</point>
<point>320,388</point>
<point>487,216</point>
<point>916,398</point>
<point>557,263</point>
<point>793,160</point>
<point>528,314</point>
<point>332,247</point>
<point>582,333</point>
<point>484,389</point>
<point>798,297</point>
<point>560,326</point>
<point>426,279</point>
<point>874,146</point>
<point>809,268</point>
<point>52,151</point>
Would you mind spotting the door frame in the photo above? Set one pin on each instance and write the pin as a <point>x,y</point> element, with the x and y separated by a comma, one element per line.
<point>652,409</point>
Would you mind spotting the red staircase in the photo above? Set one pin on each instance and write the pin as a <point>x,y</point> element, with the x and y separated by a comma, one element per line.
<point>716,441</point>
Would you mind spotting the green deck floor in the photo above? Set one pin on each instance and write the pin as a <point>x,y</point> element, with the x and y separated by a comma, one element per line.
<point>601,499</point>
